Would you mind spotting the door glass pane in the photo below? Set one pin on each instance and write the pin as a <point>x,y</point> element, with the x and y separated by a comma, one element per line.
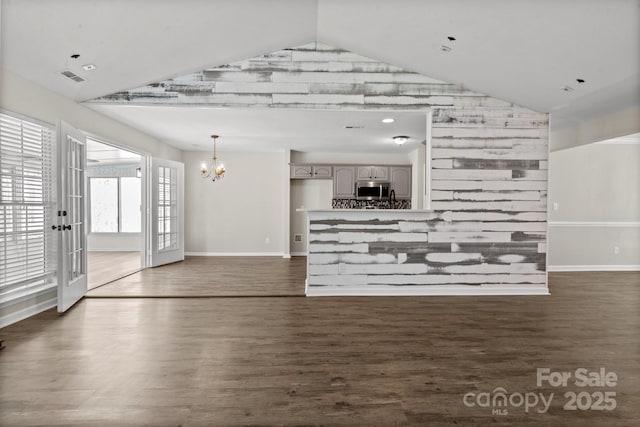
<point>104,205</point>
<point>130,201</point>
<point>167,199</point>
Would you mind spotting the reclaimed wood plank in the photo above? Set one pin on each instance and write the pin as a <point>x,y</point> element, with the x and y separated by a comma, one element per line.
<point>478,206</point>
<point>261,87</point>
<point>365,237</point>
<point>466,236</point>
<point>384,258</point>
<point>520,185</point>
<point>383,269</point>
<point>357,248</point>
<point>494,216</point>
<point>472,279</point>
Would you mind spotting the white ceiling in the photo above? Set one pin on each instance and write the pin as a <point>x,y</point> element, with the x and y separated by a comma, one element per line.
<point>103,154</point>
<point>133,43</point>
<point>521,51</point>
<point>190,128</point>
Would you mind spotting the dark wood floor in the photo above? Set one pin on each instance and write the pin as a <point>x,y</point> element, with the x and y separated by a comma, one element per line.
<point>321,361</point>
<point>213,276</point>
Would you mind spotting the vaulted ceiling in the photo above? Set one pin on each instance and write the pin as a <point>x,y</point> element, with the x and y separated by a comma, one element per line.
<point>520,51</point>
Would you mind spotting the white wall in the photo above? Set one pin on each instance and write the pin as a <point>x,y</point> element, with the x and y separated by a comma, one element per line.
<point>620,123</point>
<point>417,177</point>
<point>236,214</point>
<point>597,191</point>
<point>307,194</point>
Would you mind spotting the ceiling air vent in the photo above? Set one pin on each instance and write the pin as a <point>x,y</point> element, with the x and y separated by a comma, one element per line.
<point>73,76</point>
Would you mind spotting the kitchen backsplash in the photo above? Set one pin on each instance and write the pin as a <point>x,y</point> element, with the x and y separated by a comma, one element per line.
<point>369,204</point>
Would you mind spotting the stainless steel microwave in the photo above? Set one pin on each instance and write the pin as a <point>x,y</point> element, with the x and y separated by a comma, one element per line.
<point>372,190</point>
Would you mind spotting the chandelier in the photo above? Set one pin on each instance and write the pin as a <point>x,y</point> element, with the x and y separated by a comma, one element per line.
<point>216,169</point>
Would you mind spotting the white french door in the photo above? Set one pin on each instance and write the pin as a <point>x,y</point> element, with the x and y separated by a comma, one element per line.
<point>167,212</point>
<point>70,219</point>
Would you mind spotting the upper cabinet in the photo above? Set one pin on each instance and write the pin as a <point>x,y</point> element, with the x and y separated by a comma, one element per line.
<point>378,173</point>
<point>301,171</point>
<point>311,171</point>
<point>322,171</point>
<point>401,181</point>
<point>346,176</point>
<point>344,182</point>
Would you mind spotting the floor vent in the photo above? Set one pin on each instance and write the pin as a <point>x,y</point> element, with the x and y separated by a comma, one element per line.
<point>72,76</point>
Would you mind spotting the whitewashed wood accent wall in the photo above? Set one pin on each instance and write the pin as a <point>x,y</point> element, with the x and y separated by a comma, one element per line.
<point>489,160</point>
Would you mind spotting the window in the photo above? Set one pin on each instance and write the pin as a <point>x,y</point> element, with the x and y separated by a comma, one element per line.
<point>104,205</point>
<point>167,209</point>
<point>130,200</point>
<point>27,241</point>
<point>115,205</point>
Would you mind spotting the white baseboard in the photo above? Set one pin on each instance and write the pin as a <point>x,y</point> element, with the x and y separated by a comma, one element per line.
<point>298,254</point>
<point>624,267</point>
<point>27,312</point>
<point>430,290</point>
<point>286,256</point>
<point>279,254</point>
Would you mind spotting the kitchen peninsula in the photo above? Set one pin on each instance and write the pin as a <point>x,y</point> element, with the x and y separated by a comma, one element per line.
<point>415,252</point>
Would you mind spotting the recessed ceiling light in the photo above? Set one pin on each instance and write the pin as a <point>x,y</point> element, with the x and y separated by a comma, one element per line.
<point>89,67</point>
<point>451,38</point>
<point>388,120</point>
<point>567,88</point>
<point>445,49</point>
<point>75,56</point>
<point>580,80</point>
<point>400,139</point>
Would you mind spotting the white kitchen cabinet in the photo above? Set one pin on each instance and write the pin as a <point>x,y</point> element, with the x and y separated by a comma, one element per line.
<point>378,173</point>
<point>302,171</point>
<point>344,182</point>
<point>322,171</point>
<point>400,177</point>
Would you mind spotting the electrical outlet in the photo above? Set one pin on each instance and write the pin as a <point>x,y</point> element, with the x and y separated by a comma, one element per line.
<point>297,238</point>
<point>266,240</point>
<point>616,250</point>
<point>555,206</point>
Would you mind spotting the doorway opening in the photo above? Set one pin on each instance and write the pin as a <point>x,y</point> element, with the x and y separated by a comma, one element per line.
<point>115,238</point>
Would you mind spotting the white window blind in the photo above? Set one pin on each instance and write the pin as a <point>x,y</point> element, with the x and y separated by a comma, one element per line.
<point>27,242</point>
